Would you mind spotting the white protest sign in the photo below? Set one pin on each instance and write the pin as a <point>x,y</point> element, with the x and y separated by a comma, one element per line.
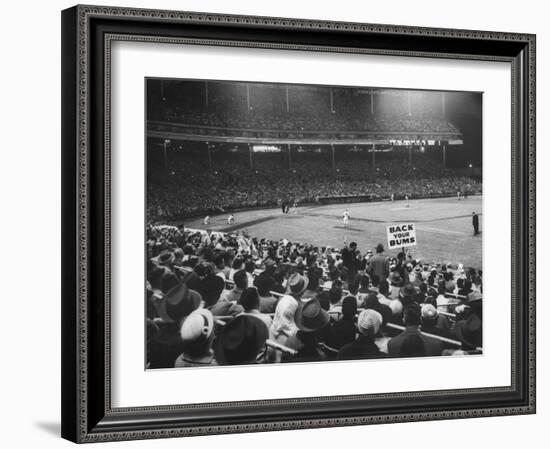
<point>401,235</point>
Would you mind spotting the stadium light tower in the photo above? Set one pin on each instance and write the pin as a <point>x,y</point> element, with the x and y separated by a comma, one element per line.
<point>287,100</point>
<point>371,103</point>
<point>209,152</point>
<point>165,145</point>
<point>289,156</point>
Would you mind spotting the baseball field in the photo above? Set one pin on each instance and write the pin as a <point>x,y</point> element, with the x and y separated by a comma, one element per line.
<point>444,231</point>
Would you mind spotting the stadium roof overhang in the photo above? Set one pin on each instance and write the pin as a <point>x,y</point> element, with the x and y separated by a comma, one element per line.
<point>363,139</point>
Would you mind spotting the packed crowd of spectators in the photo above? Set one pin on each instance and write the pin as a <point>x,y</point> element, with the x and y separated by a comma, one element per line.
<point>308,110</point>
<point>220,299</point>
<point>293,121</point>
<point>191,188</point>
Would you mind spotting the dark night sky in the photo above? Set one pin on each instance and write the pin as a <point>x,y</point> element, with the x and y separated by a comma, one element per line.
<point>464,109</point>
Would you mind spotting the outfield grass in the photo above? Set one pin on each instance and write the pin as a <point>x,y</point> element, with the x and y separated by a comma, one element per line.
<point>444,226</point>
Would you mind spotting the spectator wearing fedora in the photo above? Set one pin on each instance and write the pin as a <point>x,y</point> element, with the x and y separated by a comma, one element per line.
<point>166,345</point>
<point>177,303</point>
<point>343,331</point>
<point>310,319</point>
<point>407,294</point>
<point>196,333</point>
<point>396,282</point>
<point>166,259</point>
<point>297,285</point>
<point>468,328</point>
<point>412,321</point>
<point>364,347</point>
<point>240,341</point>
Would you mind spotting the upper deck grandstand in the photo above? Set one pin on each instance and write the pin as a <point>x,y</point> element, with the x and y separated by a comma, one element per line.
<point>218,146</point>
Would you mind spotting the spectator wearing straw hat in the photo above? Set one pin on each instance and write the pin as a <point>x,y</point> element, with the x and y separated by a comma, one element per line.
<point>364,347</point>
<point>297,285</point>
<point>196,334</point>
<point>433,322</point>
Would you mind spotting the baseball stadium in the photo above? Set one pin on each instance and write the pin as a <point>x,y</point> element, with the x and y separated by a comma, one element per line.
<point>287,194</point>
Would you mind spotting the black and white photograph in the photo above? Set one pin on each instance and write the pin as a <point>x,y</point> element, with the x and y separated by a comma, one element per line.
<point>287,221</point>
<point>311,223</point>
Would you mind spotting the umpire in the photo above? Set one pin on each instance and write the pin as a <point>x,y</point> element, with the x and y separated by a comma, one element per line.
<point>475,223</point>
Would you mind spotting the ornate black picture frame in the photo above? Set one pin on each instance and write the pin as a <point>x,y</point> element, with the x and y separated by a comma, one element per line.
<point>87,34</point>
